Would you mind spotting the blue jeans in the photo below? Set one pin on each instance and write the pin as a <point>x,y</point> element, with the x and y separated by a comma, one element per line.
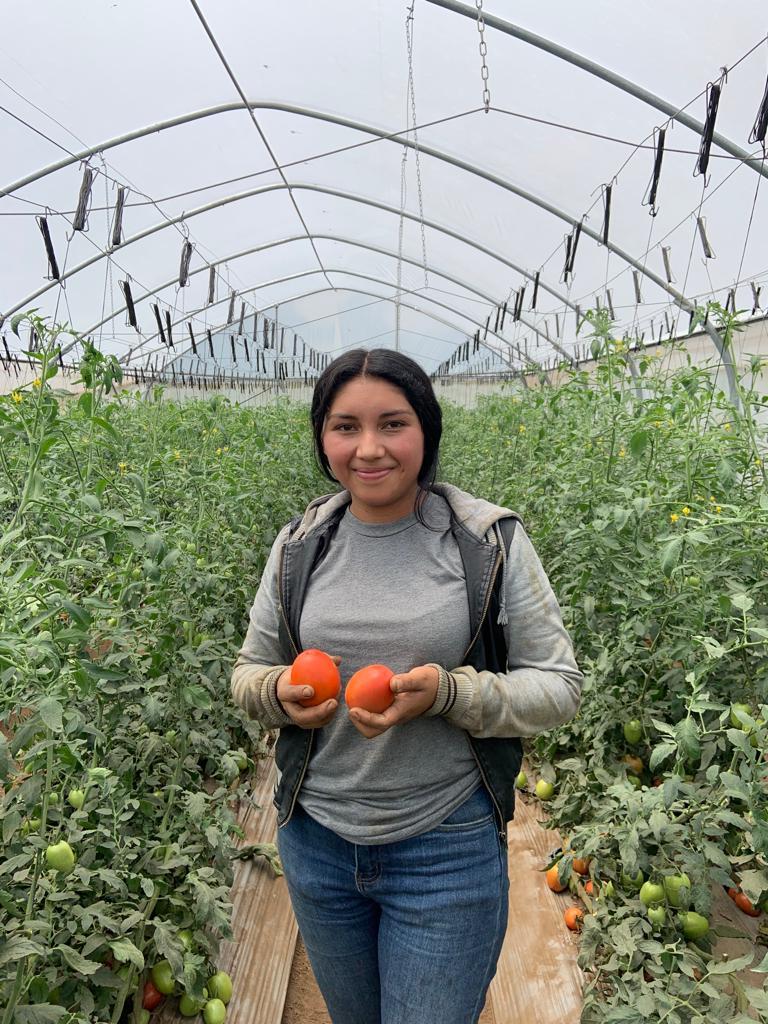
<point>407,932</point>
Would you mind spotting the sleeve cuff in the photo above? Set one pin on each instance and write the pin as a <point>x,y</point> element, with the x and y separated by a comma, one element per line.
<point>453,697</point>
<point>277,715</point>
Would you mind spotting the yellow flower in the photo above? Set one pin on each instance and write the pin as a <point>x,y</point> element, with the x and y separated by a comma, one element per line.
<point>225,448</point>
<point>17,397</point>
<point>215,430</point>
<point>622,452</point>
<point>521,429</point>
<point>37,383</point>
<point>122,466</point>
<point>176,453</point>
<point>218,451</point>
<point>758,462</point>
<point>718,509</point>
<point>712,498</point>
<point>674,517</point>
<point>686,511</point>
<point>699,497</point>
<point>726,426</point>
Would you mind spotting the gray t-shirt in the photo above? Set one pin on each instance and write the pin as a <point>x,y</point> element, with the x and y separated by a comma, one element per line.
<point>392,594</point>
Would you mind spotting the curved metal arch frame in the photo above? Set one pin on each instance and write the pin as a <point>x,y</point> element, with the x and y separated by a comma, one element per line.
<point>334,238</point>
<point>356,291</point>
<point>350,273</point>
<point>680,299</point>
<point>599,71</point>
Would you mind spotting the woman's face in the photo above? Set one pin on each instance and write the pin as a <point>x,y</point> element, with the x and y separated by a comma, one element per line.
<point>374,443</point>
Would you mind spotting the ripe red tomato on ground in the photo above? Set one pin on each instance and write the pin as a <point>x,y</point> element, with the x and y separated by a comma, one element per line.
<point>316,669</point>
<point>152,996</point>
<point>369,689</point>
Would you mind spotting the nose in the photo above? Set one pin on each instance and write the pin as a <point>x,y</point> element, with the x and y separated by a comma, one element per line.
<point>369,445</point>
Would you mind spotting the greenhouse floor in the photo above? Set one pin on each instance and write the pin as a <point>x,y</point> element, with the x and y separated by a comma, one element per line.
<point>537,980</point>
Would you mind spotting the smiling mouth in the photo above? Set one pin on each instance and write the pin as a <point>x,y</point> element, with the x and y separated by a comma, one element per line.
<point>372,474</point>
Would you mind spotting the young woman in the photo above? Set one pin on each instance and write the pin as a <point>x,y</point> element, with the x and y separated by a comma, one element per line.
<point>392,826</point>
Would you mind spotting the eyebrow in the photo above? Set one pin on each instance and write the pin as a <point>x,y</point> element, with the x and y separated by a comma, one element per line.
<point>350,416</point>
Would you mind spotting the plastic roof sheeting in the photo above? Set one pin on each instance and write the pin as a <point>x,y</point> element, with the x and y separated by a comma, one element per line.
<point>553,130</point>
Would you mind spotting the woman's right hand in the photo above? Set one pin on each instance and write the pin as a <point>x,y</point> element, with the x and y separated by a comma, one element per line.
<point>306,718</point>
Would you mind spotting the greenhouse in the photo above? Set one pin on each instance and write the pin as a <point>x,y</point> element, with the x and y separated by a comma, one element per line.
<point>474,295</point>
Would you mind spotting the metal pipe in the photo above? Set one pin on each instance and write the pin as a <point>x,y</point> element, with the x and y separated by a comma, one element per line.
<point>333,238</point>
<point>356,291</point>
<point>593,68</point>
<point>333,270</point>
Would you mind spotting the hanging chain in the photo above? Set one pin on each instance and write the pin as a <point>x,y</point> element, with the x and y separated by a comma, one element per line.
<point>403,191</point>
<point>483,55</point>
<point>412,91</point>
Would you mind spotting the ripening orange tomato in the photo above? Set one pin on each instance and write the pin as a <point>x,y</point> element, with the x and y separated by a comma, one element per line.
<point>316,669</point>
<point>574,918</point>
<point>369,689</point>
<point>553,880</point>
<point>581,865</point>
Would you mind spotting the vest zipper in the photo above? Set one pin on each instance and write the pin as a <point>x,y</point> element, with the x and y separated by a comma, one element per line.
<point>295,651</point>
<point>500,818</point>
<point>485,606</point>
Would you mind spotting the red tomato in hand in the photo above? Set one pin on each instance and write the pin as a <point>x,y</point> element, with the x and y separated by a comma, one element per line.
<point>369,689</point>
<point>152,996</point>
<point>318,670</point>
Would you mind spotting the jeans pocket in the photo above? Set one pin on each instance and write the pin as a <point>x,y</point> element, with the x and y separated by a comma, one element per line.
<point>476,811</point>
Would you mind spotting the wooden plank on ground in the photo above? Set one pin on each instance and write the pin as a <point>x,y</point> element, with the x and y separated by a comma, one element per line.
<point>537,980</point>
<point>264,929</point>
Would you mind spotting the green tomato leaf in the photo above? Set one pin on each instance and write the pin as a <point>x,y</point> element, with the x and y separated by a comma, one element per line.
<point>51,712</point>
<point>124,951</point>
<point>42,1013</point>
<point>19,948</point>
<point>670,555</point>
<point>77,961</point>
<point>688,739</point>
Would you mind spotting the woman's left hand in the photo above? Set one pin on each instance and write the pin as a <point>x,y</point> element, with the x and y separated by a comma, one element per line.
<point>415,693</point>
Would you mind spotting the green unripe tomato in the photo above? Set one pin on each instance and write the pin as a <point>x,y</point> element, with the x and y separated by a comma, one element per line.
<point>60,857</point>
<point>522,780</point>
<point>215,1012</point>
<point>136,573</point>
<point>633,731</point>
<point>186,938</point>
<point>220,986</point>
<point>162,976</point>
<point>544,790</point>
<point>30,825</point>
<point>677,889</point>
<point>628,882</point>
<point>651,893</point>
<point>76,798</point>
<point>189,1007</point>
<point>657,916</point>
<point>607,891</point>
<point>144,1016</point>
<point>735,722</point>
<point>694,925</point>
<point>112,622</point>
<point>635,781</point>
<point>241,759</point>
<point>53,798</point>
<point>200,563</point>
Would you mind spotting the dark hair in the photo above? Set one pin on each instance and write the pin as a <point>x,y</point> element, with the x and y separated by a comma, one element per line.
<point>402,373</point>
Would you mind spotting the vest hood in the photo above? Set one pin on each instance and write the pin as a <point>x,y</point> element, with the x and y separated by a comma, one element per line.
<point>476,515</point>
